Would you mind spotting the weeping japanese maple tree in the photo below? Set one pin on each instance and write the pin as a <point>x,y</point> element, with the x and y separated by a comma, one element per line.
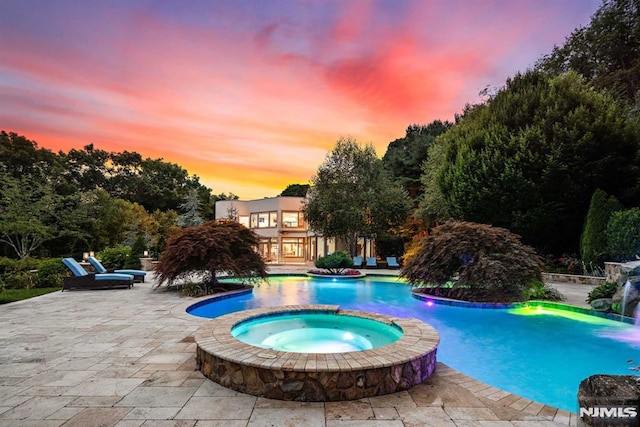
<point>473,262</point>
<point>213,248</point>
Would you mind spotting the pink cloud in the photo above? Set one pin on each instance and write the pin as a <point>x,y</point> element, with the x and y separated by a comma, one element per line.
<point>258,103</point>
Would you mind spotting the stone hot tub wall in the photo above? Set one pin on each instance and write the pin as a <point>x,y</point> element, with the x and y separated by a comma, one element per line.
<point>316,377</point>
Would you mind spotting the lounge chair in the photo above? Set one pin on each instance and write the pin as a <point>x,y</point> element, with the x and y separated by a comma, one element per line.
<point>371,262</point>
<point>83,280</point>
<point>392,262</point>
<point>357,262</point>
<point>138,275</point>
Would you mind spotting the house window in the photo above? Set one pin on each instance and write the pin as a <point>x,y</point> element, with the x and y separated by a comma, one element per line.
<point>293,247</point>
<point>292,219</point>
<point>244,220</point>
<point>273,219</point>
<point>263,220</point>
<point>254,220</point>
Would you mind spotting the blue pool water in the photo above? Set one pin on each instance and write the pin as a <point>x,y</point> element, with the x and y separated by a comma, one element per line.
<point>538,354</point>
<point>316,333</point>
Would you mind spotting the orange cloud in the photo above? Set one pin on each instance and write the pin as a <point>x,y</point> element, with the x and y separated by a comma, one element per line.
<point>251,99</point>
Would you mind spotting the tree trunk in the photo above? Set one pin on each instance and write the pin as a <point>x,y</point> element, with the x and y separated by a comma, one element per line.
<point>214,280</point>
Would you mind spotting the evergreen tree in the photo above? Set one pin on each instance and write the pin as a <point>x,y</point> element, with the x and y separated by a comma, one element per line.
<point>593,243</point>
<point>405,156</point>
<point>191,211</point>
<point>137,252</point>
<point>623,235</point>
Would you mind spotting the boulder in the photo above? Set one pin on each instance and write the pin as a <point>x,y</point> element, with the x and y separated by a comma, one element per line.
<point>621,392</point>
<point>633,298</point>
<point>601,304</point>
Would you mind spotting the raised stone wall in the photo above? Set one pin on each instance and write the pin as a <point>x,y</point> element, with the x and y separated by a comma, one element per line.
<point>316,377</point>
<point>316,386</point>
<point>572,278</point>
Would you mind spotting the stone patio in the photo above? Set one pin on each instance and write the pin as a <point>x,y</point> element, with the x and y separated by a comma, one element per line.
<point>126,358</point>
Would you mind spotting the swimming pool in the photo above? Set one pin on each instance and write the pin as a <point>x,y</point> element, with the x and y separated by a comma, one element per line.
<point>541,355</point>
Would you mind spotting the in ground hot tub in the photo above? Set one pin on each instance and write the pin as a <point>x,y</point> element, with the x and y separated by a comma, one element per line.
<point>316,332</point>
<point>316,353</point>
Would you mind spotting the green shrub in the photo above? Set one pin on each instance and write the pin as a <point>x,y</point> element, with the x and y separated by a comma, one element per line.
<point>114,257</point>
<point>10,265</point>
<point>541,291</point>
<point>335,263</point>
<point>489,263</point>
<point>605,290</point>
<point>16,273</point>
<point>191,289</point>
<point>137,251</point>
<point>19,280</point>
<point>623,235</point>
<point>51,273</point>
<point>593,242</point>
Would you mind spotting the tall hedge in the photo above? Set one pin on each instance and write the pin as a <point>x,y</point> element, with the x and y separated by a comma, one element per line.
<point>593,243</point>
<point>530,159</point>
<point>623,235</point>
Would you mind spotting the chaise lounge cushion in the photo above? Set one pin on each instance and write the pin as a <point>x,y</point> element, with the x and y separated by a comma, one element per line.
<point>113,276</point>
<point>392,262</point>
<point>138,275</point>
<point>75,268</point>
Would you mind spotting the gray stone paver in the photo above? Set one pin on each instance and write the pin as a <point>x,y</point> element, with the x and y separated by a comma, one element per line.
<point>125,358</point>
<point>302,416</point>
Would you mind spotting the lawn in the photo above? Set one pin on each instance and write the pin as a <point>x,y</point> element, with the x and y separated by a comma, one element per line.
<point>11,295</point>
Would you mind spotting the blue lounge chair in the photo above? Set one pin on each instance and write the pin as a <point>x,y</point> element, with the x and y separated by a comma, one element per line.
<point>138,275</point>
<point>371,262</point>
<point>83,280</point>
<point>392,262</point>
<point>357,262</point>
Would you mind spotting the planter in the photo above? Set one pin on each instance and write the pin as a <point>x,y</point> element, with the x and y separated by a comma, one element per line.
<point>360,275</point>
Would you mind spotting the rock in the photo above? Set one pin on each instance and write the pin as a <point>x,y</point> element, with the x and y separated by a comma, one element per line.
<point>601,304</point>
<point>621,392</point>
<point>291,385</point>
<point>633,298</point>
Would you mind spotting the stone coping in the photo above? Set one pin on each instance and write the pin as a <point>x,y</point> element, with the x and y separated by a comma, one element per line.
<point>215,337</point>
<point>534,303</point>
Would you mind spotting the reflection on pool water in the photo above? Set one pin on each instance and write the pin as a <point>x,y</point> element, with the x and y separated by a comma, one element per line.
<point>316,333</point>
<point>541,355</point>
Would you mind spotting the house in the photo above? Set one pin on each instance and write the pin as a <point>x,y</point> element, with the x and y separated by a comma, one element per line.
<point>284,235</point>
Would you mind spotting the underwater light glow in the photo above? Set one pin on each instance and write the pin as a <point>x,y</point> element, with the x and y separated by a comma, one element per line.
<point>316,333</point>
<point>573,315</point>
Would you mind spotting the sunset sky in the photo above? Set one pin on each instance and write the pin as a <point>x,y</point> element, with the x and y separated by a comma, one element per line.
<point>251,95</point>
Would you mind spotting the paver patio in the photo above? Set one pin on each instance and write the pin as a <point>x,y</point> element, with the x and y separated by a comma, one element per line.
<point>126,358</point>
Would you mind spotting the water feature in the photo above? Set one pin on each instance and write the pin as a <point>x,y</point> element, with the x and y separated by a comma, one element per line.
<point>538,354</point>
<point>625,296</point>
